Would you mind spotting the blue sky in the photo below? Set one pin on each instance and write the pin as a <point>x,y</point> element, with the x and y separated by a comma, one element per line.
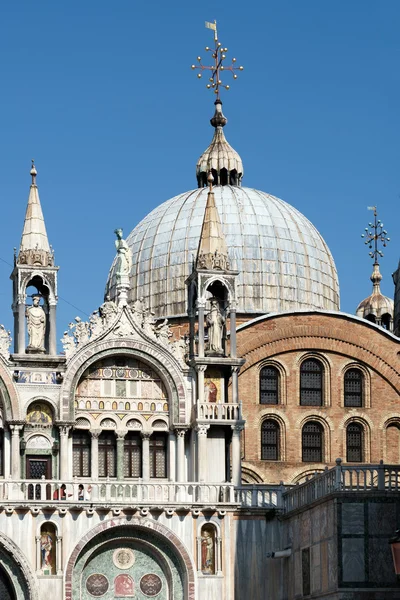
<point>101,94</point>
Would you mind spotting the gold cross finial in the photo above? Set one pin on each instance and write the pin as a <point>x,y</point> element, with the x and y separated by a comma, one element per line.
<point>219,55</point>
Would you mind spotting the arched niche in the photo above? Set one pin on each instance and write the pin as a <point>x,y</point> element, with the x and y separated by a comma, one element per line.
<point>150,553</point>
<point>208,560</point>
<point>47,550</point>
<point>40,413</point>
<point>156,358</point>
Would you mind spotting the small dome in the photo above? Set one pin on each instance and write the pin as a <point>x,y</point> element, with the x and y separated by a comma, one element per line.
<point>220,158</point>
<point>377,308</point>
<point>283,261</point>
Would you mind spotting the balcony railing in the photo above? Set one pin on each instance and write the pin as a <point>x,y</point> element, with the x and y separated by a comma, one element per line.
<point>219,411</point>
<point>349,478</point>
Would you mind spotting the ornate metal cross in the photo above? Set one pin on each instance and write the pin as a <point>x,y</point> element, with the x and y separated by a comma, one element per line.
<point>375,233</point>
<point>219,55</point>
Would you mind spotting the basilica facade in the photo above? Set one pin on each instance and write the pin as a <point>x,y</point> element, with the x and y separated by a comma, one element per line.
<point>216,428</point>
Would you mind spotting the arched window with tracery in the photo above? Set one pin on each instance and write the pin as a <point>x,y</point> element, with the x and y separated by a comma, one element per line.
<point>312,442</point>
<point>355,442</point>
<point>311,382</point>
<point>270,438</point>
<point>107,454</point>
<point>269,385</point>
<point>353,388</point>
<point>133,454</point>
<point>81,455</point>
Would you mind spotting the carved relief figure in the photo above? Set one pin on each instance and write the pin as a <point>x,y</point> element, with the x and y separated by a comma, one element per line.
<point>207,551</point>
<point>107,311</point>
<point>215,326</point>
<point>163,332</point>
<point>124,260</point>
<point>5,341</point>
<point>36,325</point>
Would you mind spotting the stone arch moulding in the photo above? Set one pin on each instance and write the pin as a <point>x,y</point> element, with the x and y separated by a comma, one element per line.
<point>45,400</point>
<point>223,281</point>
<point>166,536</point>
<point>17,567</point>
<point>9,395</point>
<point>155,356</point>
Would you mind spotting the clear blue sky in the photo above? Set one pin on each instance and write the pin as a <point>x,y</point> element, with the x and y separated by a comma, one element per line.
<point>101,94</point>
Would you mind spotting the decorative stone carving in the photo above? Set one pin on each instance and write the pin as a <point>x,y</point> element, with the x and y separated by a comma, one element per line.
<point>82,331</point>
<point>163,332</point>
<point>38,442</point>
<point>68,344</point>
<point>97,585</point>
<point>123,328</point>
<point>179,349</point>
<point>148,323</point>
<point>215,325</point>
<point>150,584</point>
<point>5,341</point>
<point>36,326</point>
<point>123,558</point>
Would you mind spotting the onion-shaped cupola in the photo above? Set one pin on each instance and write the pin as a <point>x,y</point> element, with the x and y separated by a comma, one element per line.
<point>220,158</point>
<point>377,308</point>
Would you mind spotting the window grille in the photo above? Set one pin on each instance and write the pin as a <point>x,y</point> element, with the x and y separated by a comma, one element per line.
<point>132,455</point>
<point>269,385</point>
<point>312,442</point>
<point>353,388</point>
<point>311,375</point>
<point>107,454</point>
<point>355,442</point>
<point>270,440</point>
<point>81,445</point>
<point>158,456</point>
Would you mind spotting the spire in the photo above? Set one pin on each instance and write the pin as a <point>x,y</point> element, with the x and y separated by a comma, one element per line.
<point>34,248</point>
<point>377,307</point>
<point>213,252</point>
<point>219,158</point>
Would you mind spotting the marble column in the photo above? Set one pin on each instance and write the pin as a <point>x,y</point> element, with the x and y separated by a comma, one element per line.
<point>180,455</point>
<point>64,472</point>
<point>201,369</point>
<point>21,324</point>
<point>233,331</point>
<point>59,569</point>
<point>145,455</point>
<point>171,456</point>
<point>200,307</point>
<point>202,452</point>
<point>52,330</point>
<point>94,451</point>
<point>235,384</point>
<point>236,458</point>
<point>15,453</point>
<point>120,455</point>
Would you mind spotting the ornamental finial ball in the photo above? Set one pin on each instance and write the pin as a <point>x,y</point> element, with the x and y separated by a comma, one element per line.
<point>33,171</point>
<point>210,178</point>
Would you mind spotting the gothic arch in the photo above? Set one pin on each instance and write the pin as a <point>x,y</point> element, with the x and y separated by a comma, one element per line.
<point>17,567</point>
<point>155,356</point>
<point>165,535</point>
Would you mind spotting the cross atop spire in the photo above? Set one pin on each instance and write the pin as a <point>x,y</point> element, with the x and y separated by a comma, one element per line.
<point>217,69</point>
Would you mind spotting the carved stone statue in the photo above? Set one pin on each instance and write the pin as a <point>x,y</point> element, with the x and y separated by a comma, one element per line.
<point>36,325</point>
<point>108,311</point>
<point>139,309</point>
<point>148,322</point>
<point>95,324</point>
<point>81,331</point>
<point>215,326</point>
<point>68,344</point>
<point>124,260</point>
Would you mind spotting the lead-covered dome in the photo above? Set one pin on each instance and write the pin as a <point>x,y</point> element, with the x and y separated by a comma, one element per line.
<point>283,261</point>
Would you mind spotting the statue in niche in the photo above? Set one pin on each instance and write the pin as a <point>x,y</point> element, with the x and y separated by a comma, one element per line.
<point>46,547</point>
<point>124,260</point>
<point>207,551</point>
<point>36,325</point>
<point>215,327</point>
<point>107,311</point>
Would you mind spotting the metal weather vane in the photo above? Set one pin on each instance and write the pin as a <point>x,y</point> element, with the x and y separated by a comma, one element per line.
<point>374,235</point>
<point>219,55</point>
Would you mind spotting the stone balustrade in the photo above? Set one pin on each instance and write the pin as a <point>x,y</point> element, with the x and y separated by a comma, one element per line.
<point>219,411</point>
<point>260,496</point>
<point>349,478</point>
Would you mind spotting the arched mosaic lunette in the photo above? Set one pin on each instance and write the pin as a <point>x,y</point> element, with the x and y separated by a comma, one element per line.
<point>158,358</point>
<point>165,534</point>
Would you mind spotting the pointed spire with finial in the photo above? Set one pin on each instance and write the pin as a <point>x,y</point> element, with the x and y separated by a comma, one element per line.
<point>219,158</point>
<point>377,307</point>
<point>213,252</point>
<point>35,247</point>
